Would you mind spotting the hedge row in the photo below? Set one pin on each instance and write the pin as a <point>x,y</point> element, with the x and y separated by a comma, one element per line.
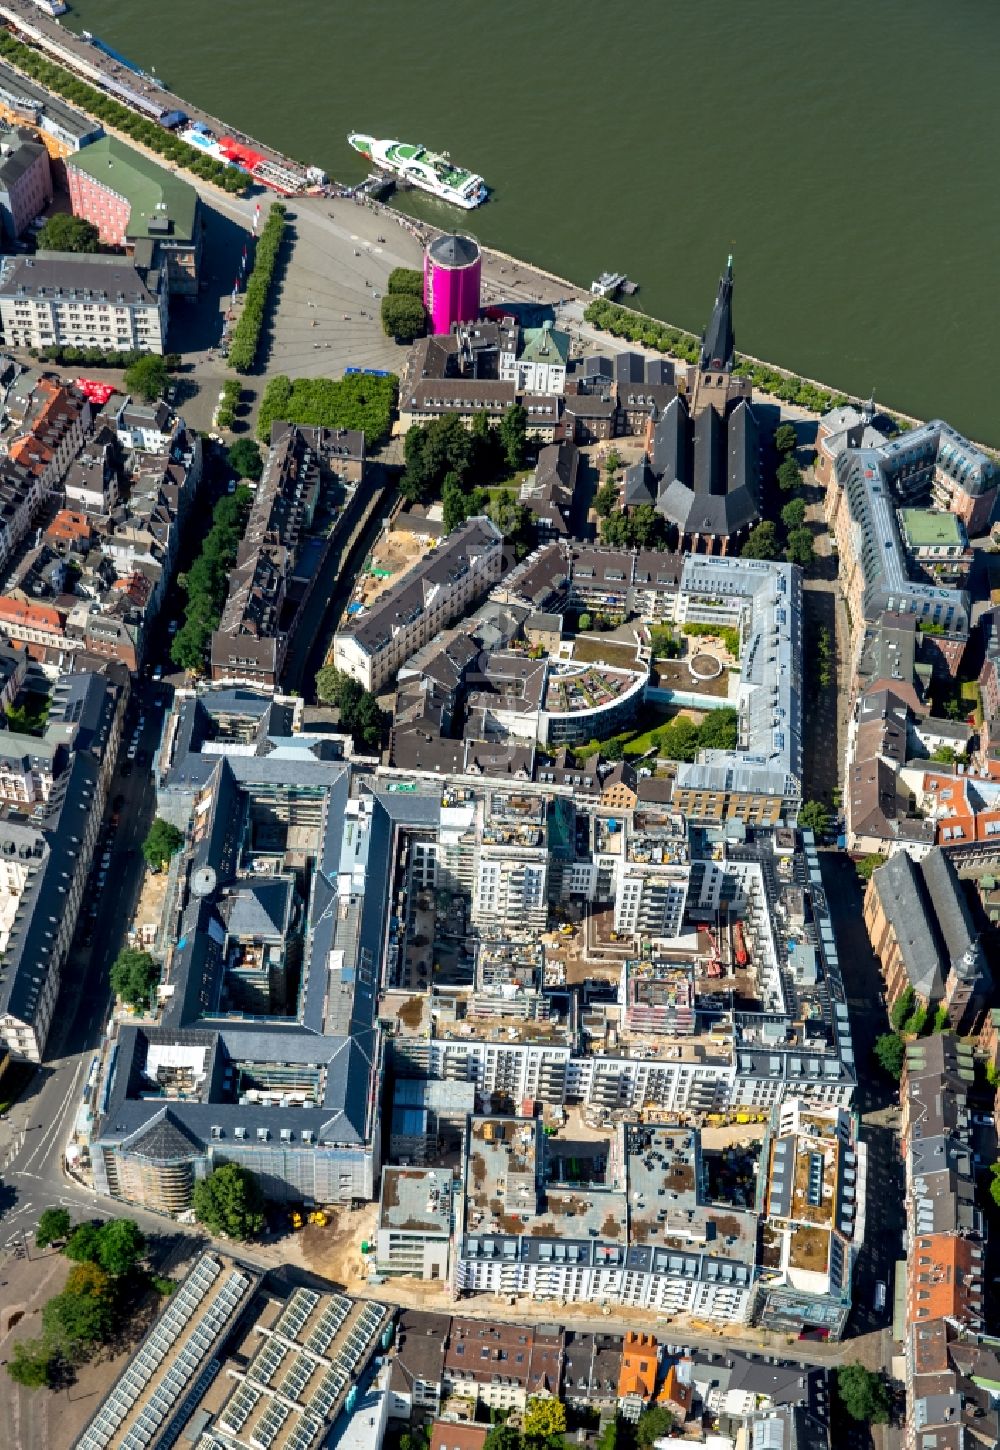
<point>225,414</point>
<point>140,128</point>
<point>246,334</point>
<point>91,357</point>
<point>623,322</point>
<point>359,401</point>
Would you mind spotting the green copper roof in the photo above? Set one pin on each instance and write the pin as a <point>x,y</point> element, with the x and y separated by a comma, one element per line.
<point>150,190</point>
<point>544,344</point>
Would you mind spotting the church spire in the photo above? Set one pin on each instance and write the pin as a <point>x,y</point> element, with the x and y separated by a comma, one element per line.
<point>718,347</point>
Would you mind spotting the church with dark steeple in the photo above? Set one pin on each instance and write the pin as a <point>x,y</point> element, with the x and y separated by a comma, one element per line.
<point>702,470</point>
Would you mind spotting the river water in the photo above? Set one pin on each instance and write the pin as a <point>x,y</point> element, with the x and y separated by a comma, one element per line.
<point>847,154</point>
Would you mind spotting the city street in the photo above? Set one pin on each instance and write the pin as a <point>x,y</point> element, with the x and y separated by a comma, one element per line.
<point>34,1135</point>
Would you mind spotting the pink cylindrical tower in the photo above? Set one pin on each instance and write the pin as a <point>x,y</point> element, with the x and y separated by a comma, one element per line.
<point>452,272</point>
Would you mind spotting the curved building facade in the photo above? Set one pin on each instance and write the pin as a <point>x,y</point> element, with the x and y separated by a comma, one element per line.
<point>452,276</point>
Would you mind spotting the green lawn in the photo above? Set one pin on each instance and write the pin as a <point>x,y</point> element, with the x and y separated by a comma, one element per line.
<point>635,742</point>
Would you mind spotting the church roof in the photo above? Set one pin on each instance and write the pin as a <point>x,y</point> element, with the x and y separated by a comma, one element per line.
<point>718,345</point>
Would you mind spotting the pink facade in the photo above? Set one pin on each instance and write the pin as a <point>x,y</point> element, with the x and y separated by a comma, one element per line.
<point>108,210</point>
<point>452,274</point>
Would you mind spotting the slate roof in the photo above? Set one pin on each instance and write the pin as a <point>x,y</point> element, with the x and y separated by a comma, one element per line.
<point>718,344</point>
<point>20,161</point>
<point>51,843</point>
<point>708,468</point>
<point>898,887</point>
<point>452,250</point>
<point>926,906</point>
<point>76,273</point>
<point>335,1030</point>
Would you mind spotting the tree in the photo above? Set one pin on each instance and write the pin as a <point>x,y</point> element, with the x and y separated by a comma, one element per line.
<point>890,1054</point>
<point>646,526</point>
<point>459,503</point>
<point>799,547</point>
<point>663,642</point>
<point>163,840</point>
<point>814,816</point>
<point>902,1007</point>
<point>82,1315</point>
<point>863,1394</point>
<point>679,740</point>
<point>868,865</point>
<point>613,749</point>
<point>615,530</point>
<point>583,622</point>
<point>605,499</point>
<point>544,1417</point>
<point>944,755</point>
<point>785,438</point>
<point>147,376</point>
<point>406,280</point>
<point>229,1201</point>
<point>719,730</point>
<point>514,434</point>
<point>403,317</point>
<point>941,1018</point>
<point>793,515</point>
<point>432,451</point>
<point>64,233</point>
<point>122,1245</point>
<point>762,542</point>
<point>190,645</point>
<point>84,1244</point>
<point>367,723</point>
<point>335,687</point>
<point>486,453</point>
<point>502,1437</point>
<point>32,1363</point>
<point>53,1226</point>
<point>995,1184</point>
<point>507,512</point>
<point>917,1020</point>
<point>134,976</point>
<point>359,709</point>
<point>789,475</point>
<point>245,460</point>
<point>89,1279</point>
<point>654,1424</point>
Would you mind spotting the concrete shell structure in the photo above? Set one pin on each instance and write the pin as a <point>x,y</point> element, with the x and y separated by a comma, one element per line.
<point>452,275</point>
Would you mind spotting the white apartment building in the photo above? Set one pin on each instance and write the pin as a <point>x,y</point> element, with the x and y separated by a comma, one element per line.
<point>73,299</point>
<point>430,596</point>
<point>511,888</point>
<point>609,1239</point>
<point>413,1237</point>
<point>650,900</point>
<point>26,768</point>
<point>540,365</point>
